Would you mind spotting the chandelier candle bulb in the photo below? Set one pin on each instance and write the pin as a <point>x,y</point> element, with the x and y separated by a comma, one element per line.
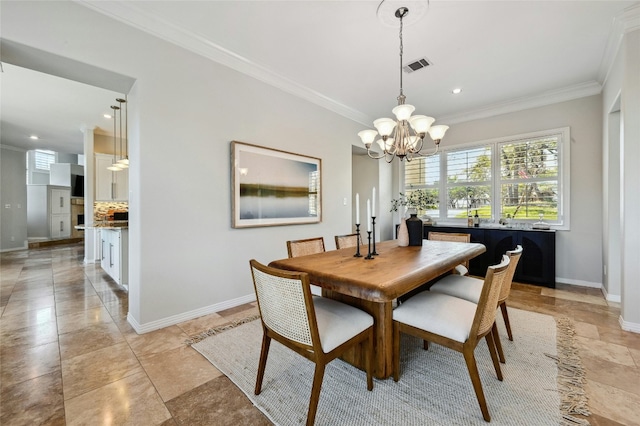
<point>357,209</point>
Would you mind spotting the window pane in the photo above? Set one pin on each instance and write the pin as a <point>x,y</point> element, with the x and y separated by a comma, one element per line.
<point>470,165</point>
<point>43,159</point>
<point>529,200</point>
<point>422,172</point>
<point>531,159</point>
<point>463,201</point>
<point>427,197</point>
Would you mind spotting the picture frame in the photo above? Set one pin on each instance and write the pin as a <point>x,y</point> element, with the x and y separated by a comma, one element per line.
<point>271,187</point>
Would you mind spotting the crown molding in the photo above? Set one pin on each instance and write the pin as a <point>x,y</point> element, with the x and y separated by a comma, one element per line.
<point>13,148</point>
<point>128,13</point>
<point>626,22</point>
<point>545,98</point>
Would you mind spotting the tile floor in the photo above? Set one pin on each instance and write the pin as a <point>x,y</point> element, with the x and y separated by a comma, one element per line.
<point>69,357</point>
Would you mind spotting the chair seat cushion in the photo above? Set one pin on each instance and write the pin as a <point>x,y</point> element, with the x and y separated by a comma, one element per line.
<point>467,288</point>
<point>338,322</point>
<point>461,270</point>
<point>438,313</point>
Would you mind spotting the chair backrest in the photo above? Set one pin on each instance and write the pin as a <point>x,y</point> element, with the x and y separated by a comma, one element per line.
<point>450,236</point>
<point>344,241</point>
<point>304,247</point>
<point>514,257</point>
<point>457,237</point>
<point>285,302</point>
<point>486,311</point>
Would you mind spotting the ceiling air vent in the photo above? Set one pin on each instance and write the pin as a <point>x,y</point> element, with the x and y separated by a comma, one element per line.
<point>416,65</point>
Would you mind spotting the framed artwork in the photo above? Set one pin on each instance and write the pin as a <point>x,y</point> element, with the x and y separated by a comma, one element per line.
<point>272,187</point>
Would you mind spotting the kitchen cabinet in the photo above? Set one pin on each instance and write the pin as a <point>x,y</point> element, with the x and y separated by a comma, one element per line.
<point>48,211</point>
<point>537,264</point>
<point>110,186</point>
<point>114,250</point>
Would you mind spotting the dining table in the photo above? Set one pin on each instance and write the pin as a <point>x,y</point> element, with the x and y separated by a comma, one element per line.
<point>375,284</point>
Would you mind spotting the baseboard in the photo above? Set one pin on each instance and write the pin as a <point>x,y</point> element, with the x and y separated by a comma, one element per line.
<point>578,282</point>
<point>186,316</point>
<point>633,327</point>
<point>611,297</point>
<point>15,248</point>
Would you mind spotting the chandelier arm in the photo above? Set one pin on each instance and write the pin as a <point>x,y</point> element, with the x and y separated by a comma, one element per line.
<point>419,145</point>
<point>420,154</point>
<point>375,158</point>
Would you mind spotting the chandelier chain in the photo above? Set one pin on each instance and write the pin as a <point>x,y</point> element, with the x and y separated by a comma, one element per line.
<point>401,52</point>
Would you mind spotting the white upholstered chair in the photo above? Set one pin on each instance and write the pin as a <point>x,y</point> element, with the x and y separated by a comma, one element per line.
<point>470,288</point>
<point>462,269</point>
<point>455,323</point>
<point>317,328</point>
<point>304,247</point>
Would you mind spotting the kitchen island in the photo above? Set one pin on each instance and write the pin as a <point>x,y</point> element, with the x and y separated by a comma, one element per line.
<point>112,249</point>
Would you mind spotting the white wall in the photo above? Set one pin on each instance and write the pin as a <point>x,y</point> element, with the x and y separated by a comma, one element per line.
<point>185,259</point>
<point>13,193</point>
<point>630,177</point>
<point>621,151</point>
<point>579,250</point>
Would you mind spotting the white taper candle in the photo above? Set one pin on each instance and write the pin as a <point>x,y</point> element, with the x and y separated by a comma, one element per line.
<point>373,204</point>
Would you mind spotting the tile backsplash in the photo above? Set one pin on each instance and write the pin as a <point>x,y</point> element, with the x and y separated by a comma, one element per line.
<point>101,208</point>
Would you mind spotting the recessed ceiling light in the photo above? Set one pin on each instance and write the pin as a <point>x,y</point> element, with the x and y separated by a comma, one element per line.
<point>34,137</point>
<point>106,116</point>
<point>456,90</point>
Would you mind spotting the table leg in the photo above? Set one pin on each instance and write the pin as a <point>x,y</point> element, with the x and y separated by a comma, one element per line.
<point>382,334</point>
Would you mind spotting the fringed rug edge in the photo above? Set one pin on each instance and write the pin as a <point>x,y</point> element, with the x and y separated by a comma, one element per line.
<point>216,330</point>
<point>571,375</point>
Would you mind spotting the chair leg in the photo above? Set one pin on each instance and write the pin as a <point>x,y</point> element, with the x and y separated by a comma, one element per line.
<point>425,345</point>
<point>505,316</point>
<point>475,381</point>
<point>368,362</point>
<point>491,343</point>
<point>315,392</point>
<point>396,352</point>
<point>264,352</point>
<point>496,337</point>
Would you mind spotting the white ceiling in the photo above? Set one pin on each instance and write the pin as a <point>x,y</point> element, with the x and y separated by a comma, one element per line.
<point>505,55</point>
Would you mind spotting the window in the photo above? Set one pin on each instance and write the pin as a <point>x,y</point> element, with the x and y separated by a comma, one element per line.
<point>529,178</point>
<point>468,182</point>
<point>522,177</point>
<point>43,159</point>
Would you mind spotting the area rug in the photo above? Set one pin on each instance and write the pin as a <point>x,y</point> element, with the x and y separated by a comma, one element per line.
<point>434,386</point>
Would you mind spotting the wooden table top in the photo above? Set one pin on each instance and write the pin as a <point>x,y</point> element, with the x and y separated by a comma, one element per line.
<point>394,272</point>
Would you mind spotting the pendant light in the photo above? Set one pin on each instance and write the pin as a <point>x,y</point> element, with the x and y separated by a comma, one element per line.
<point>114,167</point>
<point>404,136</point>
<point>124,160</point>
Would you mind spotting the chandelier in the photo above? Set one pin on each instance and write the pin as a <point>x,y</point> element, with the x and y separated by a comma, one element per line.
<point>403,137</point>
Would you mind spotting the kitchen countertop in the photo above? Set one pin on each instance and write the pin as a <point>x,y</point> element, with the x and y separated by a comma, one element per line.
<point>112,224</point>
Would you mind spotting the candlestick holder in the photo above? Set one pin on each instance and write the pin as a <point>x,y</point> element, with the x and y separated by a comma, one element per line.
<point>373,227</point>
<point>358,241</point>
<point>369,255</point>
